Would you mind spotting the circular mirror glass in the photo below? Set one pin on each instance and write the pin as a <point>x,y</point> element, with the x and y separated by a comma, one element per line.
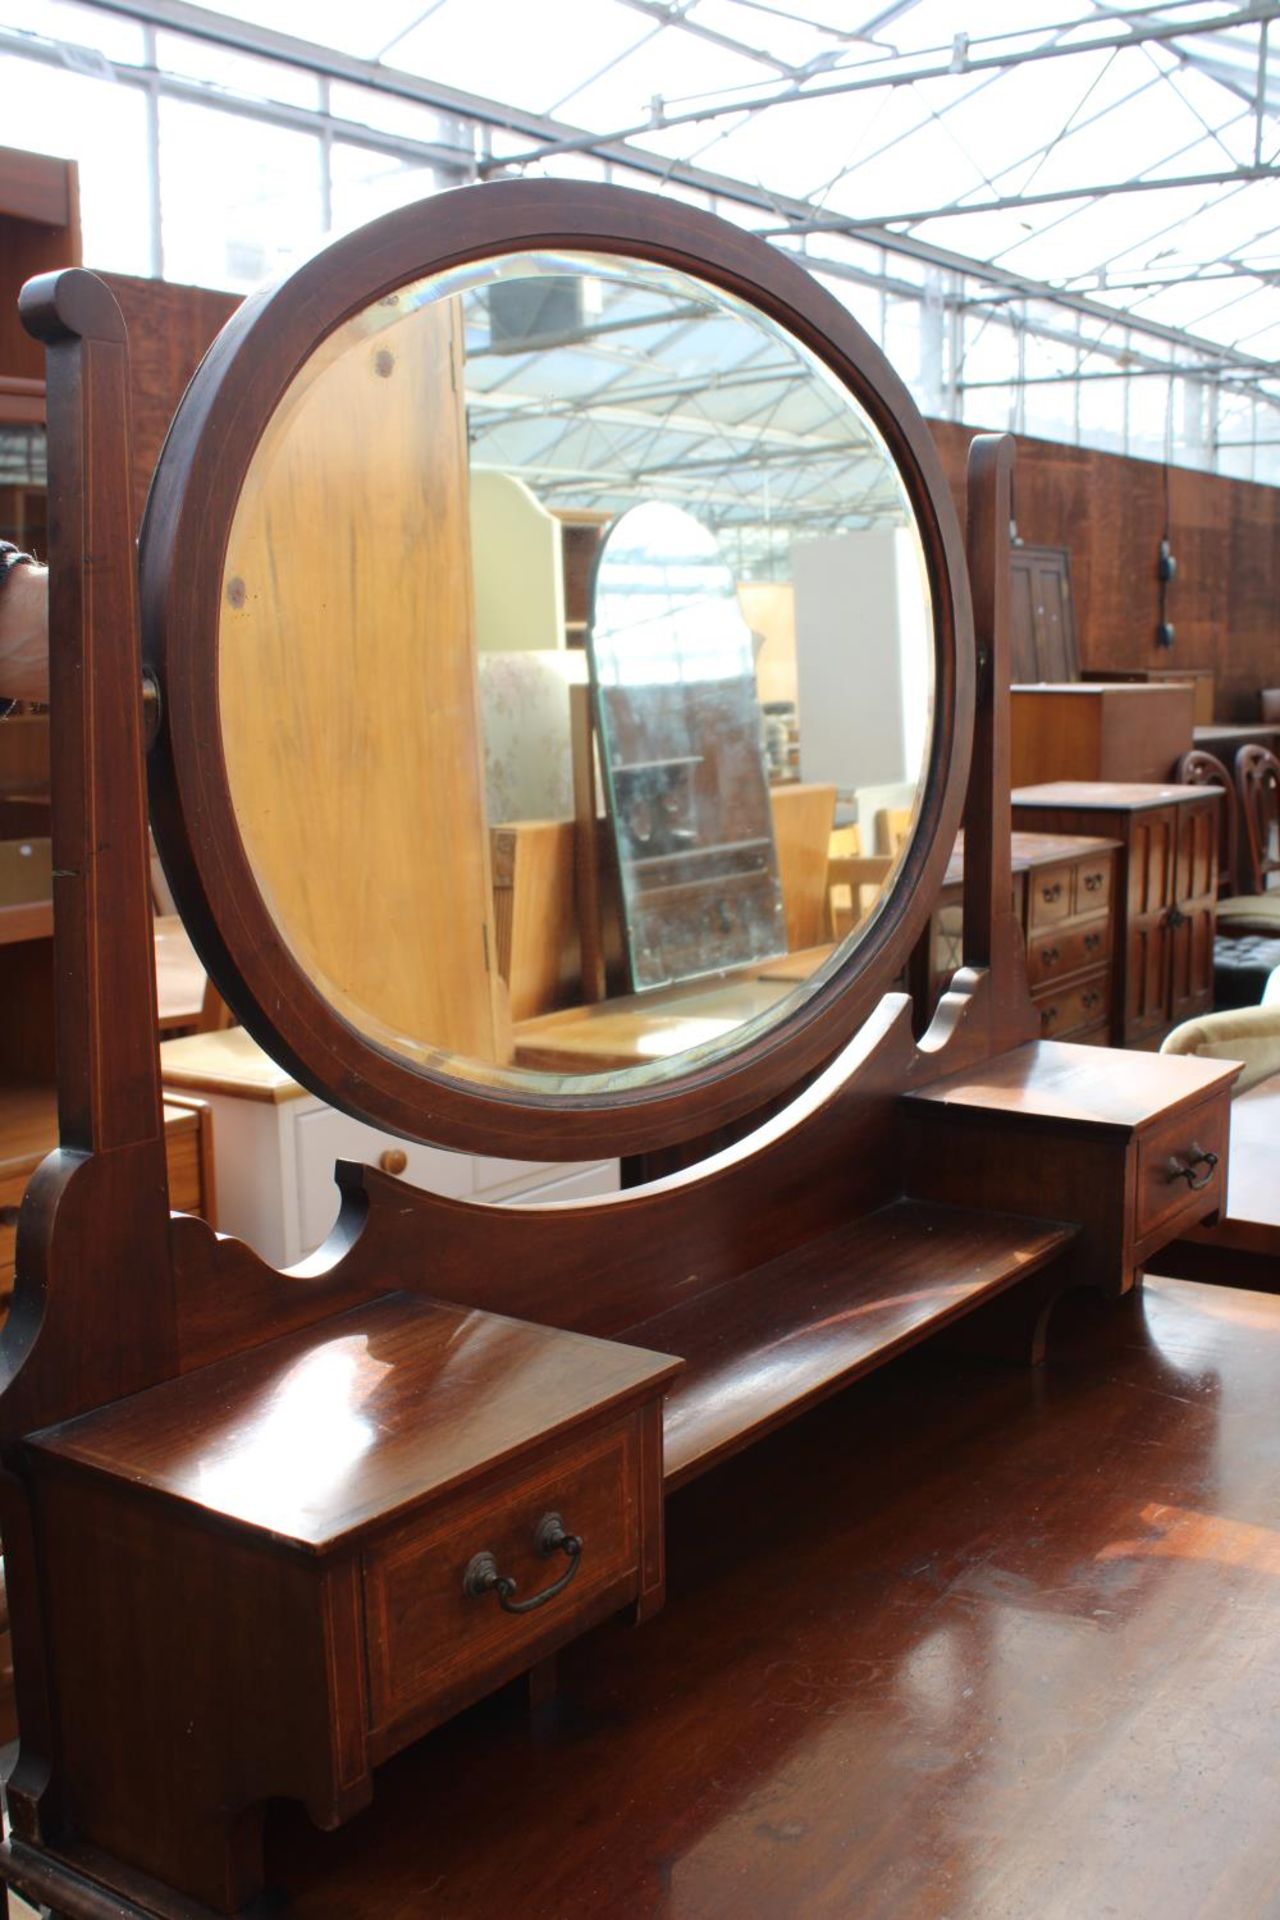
<point>576,671</point>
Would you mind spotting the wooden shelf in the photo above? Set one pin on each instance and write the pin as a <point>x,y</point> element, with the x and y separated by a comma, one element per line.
<point>764,1346</point>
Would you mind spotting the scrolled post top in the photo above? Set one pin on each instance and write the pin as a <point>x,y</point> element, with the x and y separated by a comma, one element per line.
<point>71,304</point>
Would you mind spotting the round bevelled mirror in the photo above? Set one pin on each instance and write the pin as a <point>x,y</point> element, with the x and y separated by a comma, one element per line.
<point>565,679</point>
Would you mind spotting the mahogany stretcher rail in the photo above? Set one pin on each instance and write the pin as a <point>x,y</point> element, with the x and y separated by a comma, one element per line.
<point>761,1348</point>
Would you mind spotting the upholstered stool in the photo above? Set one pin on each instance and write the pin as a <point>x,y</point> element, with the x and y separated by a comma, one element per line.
<point>1242,968</point>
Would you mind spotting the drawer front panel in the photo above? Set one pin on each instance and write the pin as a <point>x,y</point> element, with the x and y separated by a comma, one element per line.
<point>1068,1010</point>
<point>1165,1195</point>
<point>1093,884</point>
<point>1048,896</point>
<point>427,1638</point>
<point>1057,955</point>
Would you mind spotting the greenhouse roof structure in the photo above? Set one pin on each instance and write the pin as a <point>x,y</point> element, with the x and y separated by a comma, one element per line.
<point>1056,215</point>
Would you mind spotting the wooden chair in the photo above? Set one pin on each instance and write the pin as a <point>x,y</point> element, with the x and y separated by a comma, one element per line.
<point>803,818</point>
<point>1201,769</point>
<point>854,880</point>
<point>1253,910</point>
<point>893,829</point>
<point>1258,787</point>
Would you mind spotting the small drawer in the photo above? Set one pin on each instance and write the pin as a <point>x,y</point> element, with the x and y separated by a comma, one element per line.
<point>1069,1010</point>
<point>1057,955</point>
<point>1181,1168</point>
<point>429,1640</point>
<point>1049,896</point>
<point>1092,884</point>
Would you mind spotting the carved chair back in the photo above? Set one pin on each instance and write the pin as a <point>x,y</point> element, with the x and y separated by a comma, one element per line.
<point>1258,787</point>
<point>1201,769</point>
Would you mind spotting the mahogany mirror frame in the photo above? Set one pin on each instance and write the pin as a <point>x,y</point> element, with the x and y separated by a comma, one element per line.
<point>184,539</point>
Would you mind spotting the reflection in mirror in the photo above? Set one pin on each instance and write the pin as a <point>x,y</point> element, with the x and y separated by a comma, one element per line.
<point>681,735</point>
<point>463,485</point>
<point>24,739</point>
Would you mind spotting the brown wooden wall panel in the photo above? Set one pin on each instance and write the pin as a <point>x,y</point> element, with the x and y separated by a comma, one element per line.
<point>1110,512</point>
<point>170,330</point>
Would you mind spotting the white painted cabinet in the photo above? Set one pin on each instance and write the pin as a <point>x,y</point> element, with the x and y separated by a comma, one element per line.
<point>275,1146</point>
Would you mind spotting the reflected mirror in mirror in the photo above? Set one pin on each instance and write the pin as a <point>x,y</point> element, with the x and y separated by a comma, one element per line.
<point>680,729</point>
<point>490,858</point>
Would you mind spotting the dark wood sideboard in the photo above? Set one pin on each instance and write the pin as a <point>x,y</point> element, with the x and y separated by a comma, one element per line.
<point>1166,892</point>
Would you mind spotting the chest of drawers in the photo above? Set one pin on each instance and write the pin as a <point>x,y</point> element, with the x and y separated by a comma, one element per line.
<point>1064,897</point>
<point>1161,969</point>
<point>359,1529</point>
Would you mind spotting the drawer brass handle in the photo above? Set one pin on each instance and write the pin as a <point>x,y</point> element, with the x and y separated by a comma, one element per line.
<point>549,1537</point>
<point>1186,1169</point>
<point>1051,956</point>
<point>1054,892</point>
<point>1092,940</point>
<point>1091,998</point>
<point>1093,881</point>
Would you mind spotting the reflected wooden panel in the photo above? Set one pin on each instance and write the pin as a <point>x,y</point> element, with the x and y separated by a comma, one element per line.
<point>347,685</point>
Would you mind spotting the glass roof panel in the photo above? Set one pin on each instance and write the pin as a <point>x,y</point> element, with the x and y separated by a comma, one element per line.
<point>517,55</point>
<point>860,113</point>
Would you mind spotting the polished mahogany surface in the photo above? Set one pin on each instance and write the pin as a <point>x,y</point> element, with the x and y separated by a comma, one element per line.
<point>968,1643</point>
<point>323,1434</point>
<point>770,1342</point>
<point>1059,1082</point>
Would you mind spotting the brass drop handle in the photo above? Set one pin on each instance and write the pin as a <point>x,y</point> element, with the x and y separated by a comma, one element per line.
<point>482,1575</point>
<point>1092,940</point>
<point>1091,998</point>
<point>393,1160</point>
<point>1051,956</point>
<point>1186,1169</point>
<point>1093,881</point>
<point>1052,893</point>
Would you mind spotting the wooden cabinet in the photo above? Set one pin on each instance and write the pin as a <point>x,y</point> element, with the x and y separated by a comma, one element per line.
<point>1201,680</point>
<point>1166,893</point>
<point>1081,732</point>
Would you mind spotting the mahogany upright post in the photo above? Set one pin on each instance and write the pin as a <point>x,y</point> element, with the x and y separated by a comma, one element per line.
<point>988,871</point>
<point>93,1310</point>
